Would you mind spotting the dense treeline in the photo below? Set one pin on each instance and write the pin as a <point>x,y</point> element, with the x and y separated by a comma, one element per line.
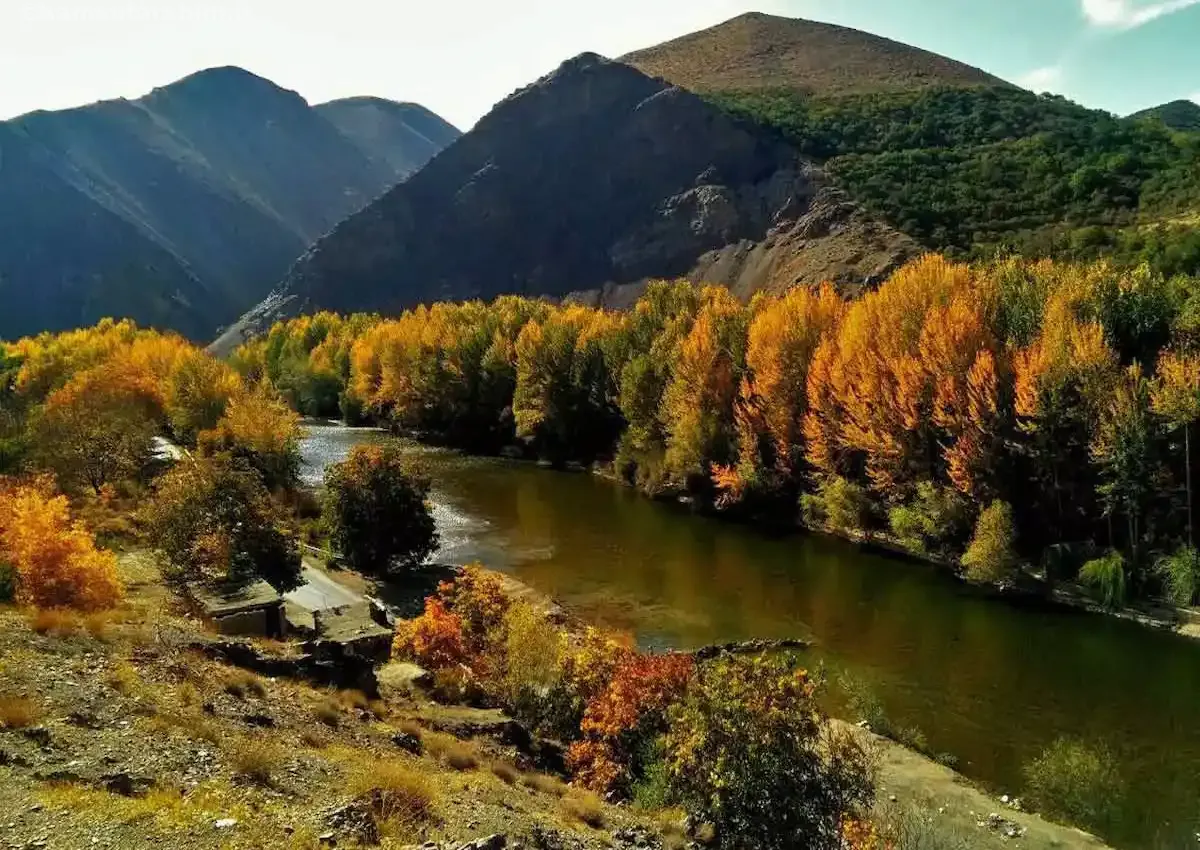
<point>976,170</point>
<point>80,413</point>
<point>1012,408</point>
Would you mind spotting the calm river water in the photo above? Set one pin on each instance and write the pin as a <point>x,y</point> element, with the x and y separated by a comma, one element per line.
<point>990,682</point>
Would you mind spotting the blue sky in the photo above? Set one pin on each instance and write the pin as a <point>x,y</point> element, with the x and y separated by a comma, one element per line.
<point>459,57</point>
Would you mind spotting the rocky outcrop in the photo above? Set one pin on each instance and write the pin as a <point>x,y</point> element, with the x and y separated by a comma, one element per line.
<point>595,177</point>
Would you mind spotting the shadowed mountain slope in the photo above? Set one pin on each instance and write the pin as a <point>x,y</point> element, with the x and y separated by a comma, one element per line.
<point>178,209</point>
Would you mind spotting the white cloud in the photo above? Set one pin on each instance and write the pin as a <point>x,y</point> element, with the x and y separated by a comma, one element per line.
<point>1130,14</point>
<point>1041,79</point>
<point>1196,98</point>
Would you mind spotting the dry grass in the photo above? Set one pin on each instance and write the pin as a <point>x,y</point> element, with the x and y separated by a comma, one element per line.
<point>584,807</point>
<point>256,760</point>
<point>189,694</point>
<point>242,683</point>
<point>399,796</point>
<point>353,699</point>
<point>328,713</point>
<point>192,723</point>
<point>451,751</point>
<point>314,738</point>
<point>544,784</point>
<point>505,772</point>
<point>410,727</point>
<point>18,712</point>
<point>56,622</point>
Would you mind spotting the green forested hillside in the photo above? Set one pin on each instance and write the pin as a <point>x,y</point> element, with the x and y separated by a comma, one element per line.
<point>971,171</point>
<point>1178,115</point>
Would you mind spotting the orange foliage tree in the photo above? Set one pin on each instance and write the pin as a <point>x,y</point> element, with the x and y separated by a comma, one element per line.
<point>55,559</point>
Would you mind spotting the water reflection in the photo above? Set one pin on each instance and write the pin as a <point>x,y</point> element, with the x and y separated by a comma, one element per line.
<point>987,681</point>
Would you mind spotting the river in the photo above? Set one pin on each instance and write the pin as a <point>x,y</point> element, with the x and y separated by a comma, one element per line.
<point>989,681</point>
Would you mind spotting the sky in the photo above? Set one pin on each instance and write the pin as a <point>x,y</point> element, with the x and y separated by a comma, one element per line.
<point>459,57</point>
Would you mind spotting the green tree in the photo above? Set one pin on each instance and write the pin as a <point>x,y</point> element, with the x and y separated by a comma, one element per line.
<point>750,751</point>
<point>991,556</point>
<point>215,520</point>
<point>377,511</point>
<point>1122,448</point>
<point>1176,398</point>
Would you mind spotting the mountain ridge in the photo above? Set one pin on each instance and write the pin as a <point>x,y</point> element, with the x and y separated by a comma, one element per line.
<point>211,186</point>
<point>593,179</point>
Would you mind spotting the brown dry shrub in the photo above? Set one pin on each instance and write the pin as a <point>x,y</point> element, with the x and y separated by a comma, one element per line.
<point>544,784</point>
<point>398,795</point>
<point>256,760</point>
<point>56,622</point>
<point>584,807</point>
<point>459,755</point>
<point>240,683</point>
<point>327,712</point>
<point>18,712</point>
<point>505,772</point>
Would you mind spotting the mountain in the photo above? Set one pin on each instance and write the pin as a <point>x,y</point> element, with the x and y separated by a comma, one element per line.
<point>180,209</point>
<point>404,136</point>
<point>756,51</point>
<point>594,179</point>
<point>1181,115</point>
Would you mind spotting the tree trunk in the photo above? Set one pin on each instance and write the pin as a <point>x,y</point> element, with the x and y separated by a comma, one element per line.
<point>1187,476</point>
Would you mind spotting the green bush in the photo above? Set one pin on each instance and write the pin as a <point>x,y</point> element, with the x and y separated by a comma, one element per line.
<point>1180,572</point>
<point>838,505</point>
<point>991,557</point>
<point>1106,577</point>
<point>376,510</point>
<point>931,522</point>
<point>750,752</point>
<point>1075,782</point>
<point>8,583</point>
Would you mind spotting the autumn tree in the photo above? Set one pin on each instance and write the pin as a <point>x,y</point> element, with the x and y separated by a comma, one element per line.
<point>53,558</point>
<point>199,388</point>
<point>215,521</point>
<point>262,432</point>
<point>377,510</point>
<point>1175,396</point>
<point>1122,448</point>
<point>97,428</point>
<point>750,751</point>
<point>772,401</point>
<point>698,403</point>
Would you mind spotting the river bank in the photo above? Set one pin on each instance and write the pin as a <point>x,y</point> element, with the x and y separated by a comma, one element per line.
<point>994,684</point>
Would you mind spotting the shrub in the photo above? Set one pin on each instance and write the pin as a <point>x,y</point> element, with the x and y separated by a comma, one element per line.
<point>55,559</point>
<point>375,507</point>
<point>18,712</point>
<point>434,640</point>
<point>256,760</point>
<point>55,622</point>
<point>1074,781</point>
<point>8,583</point>
<point>505,772</point>
<point>239,683</point>
<point>750,752</point>
<point>1180,572</point>
<point>1106,576</point>
<point>397,795</point>
<point>477,598</point>
<point>544,784</point>
<point>930,522</point>
<point>455,753</point>
<point>583,807</point>
<point>328,713</point>
<point>838,505</point>
<point>622,721</point>
<point>991,557</point>
<point>216,521</point>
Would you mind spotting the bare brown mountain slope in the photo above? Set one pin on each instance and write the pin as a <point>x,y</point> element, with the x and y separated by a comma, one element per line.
<point>757,51</point>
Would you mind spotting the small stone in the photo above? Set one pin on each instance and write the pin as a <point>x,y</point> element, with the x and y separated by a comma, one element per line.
<point>226,823</point>
<point>328,839</point>
<point>892,797</point>
<point>1004,799</point>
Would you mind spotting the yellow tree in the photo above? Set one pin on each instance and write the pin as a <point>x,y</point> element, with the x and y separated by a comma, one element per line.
<point>259,428</point>
<point>97,428</point>
<point>783,337</point>
<point>55,558</point>
<point>698,404</point>
<point>1175,396</point>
